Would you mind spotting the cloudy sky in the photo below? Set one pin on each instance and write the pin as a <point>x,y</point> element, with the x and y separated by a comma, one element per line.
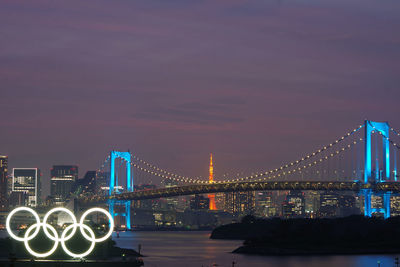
<point>256,82</point>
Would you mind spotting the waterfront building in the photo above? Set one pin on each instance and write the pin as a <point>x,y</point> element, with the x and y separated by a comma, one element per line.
<point>377,203</point>
<point>146,204</point>
<point>3,182</point>
<point>294,205</point>
<point>240,202</point>
<point>329,205</point>
<point>347,205</point>
<point>265,206</point>
<point>288,210</point>
<point>219,201</point>
<point>395,206</point>
<point>312,202</point>
<point>27,180</point>
<point>166,218</point>
<point>183,203</point>
<point>199,202</point>
<point>171,202</point>
<point>86,185</point>
<point>62,180</point>
<point>142,218</point>
<point>102,180</point>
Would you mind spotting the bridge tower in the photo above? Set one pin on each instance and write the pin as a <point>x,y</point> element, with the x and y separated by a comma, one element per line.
<point>369,176</point>
<point>115,187</point>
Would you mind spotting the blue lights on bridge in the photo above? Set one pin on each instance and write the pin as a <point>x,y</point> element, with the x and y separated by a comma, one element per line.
<point>126,156</point>
<point>383,128</point>
<point>376,182</point>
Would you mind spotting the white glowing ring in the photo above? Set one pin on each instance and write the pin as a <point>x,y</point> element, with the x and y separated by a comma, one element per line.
<point>34,253</point>
<point>46,217</point>
<point>8,227</point>
<point>81,255</point>
<point>64,237</point>
<point>111,227</point>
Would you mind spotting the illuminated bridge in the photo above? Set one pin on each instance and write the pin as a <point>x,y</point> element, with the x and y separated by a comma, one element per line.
<point>363,160</point>
<point>393,187</point>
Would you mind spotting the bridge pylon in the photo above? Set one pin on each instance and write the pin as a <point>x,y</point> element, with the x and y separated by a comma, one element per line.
<point>115,188</point>
<point>375,177</point>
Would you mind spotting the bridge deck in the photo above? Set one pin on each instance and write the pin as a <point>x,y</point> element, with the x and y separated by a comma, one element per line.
<point>250,186</point>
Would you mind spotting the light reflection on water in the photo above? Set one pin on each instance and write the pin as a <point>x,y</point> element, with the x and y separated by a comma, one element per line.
<point>181,249</point>
<point>196,249</point>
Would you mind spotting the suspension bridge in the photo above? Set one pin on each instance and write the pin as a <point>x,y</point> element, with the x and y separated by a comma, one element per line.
<point>363,160</point>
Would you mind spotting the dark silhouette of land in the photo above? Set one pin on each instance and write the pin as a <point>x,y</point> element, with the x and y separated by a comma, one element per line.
<point>349,235</point>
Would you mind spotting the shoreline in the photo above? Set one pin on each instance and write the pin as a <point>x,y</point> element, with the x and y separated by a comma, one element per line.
<point>166,229</point>
<point>279,251</point>
<point>353,235</point>
<point>51,263</point>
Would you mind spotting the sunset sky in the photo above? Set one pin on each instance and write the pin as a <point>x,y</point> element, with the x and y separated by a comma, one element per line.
<point>256,82</point>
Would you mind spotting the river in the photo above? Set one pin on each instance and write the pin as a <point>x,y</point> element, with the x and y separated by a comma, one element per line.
<point>195,249</point>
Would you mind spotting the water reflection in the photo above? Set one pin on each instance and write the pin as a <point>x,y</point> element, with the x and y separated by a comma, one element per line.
<point>196,249</point>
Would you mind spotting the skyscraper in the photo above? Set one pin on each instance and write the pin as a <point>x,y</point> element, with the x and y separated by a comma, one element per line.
<point>265,206</point>
<point>172,202</point>
<point>199,202</point>
<point>146,204</point>
<point>27,180</point>
<point>347,205</point>
<point>294,205</point>
<point>240,202</point>
<point>102,180</point>
<point>3,182</point>
<point>329,205</point>
<point>62,180</point>
<point>86,185</point>
<point>211,180</point>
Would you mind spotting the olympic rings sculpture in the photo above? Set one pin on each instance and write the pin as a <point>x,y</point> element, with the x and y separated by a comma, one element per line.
<point>54,235</point>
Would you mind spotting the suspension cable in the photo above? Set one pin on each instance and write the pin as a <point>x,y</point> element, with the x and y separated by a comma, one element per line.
<point>179,178</point>
<point>260,179</point>
<point>387,138</point>
<point>315,162</point>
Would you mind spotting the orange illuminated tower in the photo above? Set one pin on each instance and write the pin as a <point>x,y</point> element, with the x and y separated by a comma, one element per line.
<point>211,180</point>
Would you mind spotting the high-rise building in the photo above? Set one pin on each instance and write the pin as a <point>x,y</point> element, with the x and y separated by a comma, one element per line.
<point>102,180</point>
<point>347,205</point>
<point>294,205</point>
<point>288,210</point>
<point>86,185</point>
<point>240,202</point>
<point>329,205</point>
<point>171,202</point>
<point>3,182</point>
<point>395,206</point>
<point>312,202</point>
<point>219,201</point>
<point>62,180</point>
<point>27,180</point>
<point>211,197</point>
<point>198,202</point>
<point>265,206</point>
<point>146,204</point>
<point>377,203</point>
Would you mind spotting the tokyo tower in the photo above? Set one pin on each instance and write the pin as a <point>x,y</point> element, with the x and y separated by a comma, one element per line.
<point>211,180</point>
